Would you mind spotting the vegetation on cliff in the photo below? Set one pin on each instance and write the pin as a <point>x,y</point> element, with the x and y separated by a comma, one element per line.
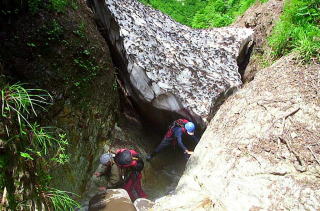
<point>51,45</point>
<point>29,151</point>
<point>298,30</point>
<point>203,13</point>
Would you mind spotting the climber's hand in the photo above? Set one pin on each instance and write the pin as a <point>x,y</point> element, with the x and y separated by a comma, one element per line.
<point>188,152</point>
<point>102,188</point>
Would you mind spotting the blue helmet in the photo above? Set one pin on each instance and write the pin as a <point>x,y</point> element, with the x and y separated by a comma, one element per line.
<point>190,128</point>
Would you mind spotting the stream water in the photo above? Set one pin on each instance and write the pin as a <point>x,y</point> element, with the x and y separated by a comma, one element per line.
<point>162,174</point>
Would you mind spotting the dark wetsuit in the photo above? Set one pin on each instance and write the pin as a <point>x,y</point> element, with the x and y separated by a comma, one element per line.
<point>170,137</point>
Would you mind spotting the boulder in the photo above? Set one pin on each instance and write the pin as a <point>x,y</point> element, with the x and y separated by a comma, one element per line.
<point>261,150</point>
<point>111,200</point>
<point>167,66</point>
<point>143,204</point>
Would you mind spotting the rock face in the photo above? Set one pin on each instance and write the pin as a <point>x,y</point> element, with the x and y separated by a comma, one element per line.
<point>73,64</point>
<point>118,200</point>
<point>261,17</point>
<point>111,200</point>
<point>261,150</point>
<point>169,66</point>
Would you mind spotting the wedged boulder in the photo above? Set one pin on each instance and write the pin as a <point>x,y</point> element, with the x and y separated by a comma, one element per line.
<point>261,150</point>
<point>169,66</point>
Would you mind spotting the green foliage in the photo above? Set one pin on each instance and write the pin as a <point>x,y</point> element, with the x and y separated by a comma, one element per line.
<point>85,61</point>
<point>59,5</point>
<point>18,102</point>
<point>181,11</point>
<point>35,6</point>
<point>43,141</point>
<point>203,13</point>
<point>31,149</point>
<point>80,31</point>
<point>298,30</point>
<point>220,13</point>
<point>61,200</point>
<point>74,4</point>
<point>115,85</point>
<point>26,155</point>
<point>54,30</point>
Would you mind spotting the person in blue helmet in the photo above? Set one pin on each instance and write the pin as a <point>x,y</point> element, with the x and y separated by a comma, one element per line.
<point>174,135</point>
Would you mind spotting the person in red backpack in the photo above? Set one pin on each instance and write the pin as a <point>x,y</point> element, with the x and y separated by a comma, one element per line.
<point>132,164</point>
<point>175,132</point>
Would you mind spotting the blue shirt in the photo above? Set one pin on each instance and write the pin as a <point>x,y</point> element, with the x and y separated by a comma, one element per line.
<point>177,133</point>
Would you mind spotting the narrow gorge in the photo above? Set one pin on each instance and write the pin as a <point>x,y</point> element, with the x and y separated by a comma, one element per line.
<point>120,72</point>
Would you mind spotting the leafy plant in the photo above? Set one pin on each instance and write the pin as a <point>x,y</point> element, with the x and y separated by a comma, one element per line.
<point>61,200</point>
<point>59,5</point>
<point>31,149</point>
<point>54,30</point>
<point>17,101</point>
<point>203,13</point>
<point>80,31</point>
<point>181,11</point>
<point>298,30</point>
<point>218,13</point>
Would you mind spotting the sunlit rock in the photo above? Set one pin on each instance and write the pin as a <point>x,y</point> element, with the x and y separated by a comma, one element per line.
<point>261,150</point>
<point>111,200</point>
<point>169,66</point>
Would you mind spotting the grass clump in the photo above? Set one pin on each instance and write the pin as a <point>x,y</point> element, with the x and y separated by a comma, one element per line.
<point>298,30</point>
<point>32,151</point>
<point>203,13</point>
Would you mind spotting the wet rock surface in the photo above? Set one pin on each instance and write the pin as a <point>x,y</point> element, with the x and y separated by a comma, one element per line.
<point>167,65</point>
<point>261,149</point>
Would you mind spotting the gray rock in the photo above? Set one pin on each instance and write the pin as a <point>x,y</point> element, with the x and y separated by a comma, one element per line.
<point>261,150</point>
<point>143,204</point>
<point>111,200</point>
<point>168,65</point>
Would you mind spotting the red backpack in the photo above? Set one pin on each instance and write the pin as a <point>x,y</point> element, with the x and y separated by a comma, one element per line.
<point>176,123</point>
<point>125,158</point>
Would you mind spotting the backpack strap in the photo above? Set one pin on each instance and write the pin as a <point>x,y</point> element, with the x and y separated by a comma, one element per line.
<point>176,123</point>
<point>180,122</point>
